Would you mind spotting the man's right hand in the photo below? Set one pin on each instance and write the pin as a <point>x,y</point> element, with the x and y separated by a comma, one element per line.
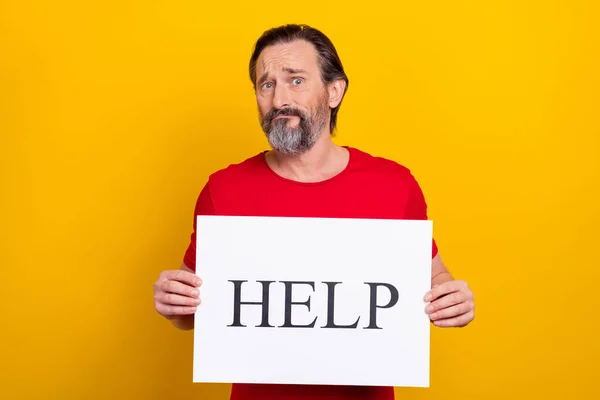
<point>176,293</point>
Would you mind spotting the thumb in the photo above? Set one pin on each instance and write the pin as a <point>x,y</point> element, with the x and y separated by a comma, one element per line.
<point>428,295</point>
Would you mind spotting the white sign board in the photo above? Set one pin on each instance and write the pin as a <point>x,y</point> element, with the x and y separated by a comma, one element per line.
<point>312,301</point>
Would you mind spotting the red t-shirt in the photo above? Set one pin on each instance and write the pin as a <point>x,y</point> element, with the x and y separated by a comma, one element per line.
<point>369,187</point>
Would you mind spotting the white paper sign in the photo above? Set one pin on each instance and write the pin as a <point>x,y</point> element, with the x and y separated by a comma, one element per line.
<point>336,301</point>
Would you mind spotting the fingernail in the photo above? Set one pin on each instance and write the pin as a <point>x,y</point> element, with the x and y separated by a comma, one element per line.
<point>429,308</point>
<point>428,297</point>
<point>195,293</point>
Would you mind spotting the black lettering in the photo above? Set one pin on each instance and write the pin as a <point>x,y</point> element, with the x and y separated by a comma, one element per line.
<point>289,303</point>
<point>331,308</point>
<point>373,306</point>
<point>237,303</point>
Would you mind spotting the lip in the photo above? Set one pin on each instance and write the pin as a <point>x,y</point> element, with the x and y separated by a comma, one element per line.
<point>284,116</point>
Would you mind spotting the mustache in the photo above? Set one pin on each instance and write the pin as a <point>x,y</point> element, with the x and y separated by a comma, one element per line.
<point>283,112</point>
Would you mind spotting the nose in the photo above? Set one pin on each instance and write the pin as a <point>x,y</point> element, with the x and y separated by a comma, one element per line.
<point>281,97</point>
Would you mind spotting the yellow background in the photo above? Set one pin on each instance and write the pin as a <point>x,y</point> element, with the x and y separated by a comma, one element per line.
<point>113,113</point>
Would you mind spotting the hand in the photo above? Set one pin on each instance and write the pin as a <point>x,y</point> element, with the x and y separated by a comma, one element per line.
<point>176,293</point>
<point>451,304</point>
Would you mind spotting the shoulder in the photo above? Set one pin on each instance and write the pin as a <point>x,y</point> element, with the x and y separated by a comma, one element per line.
<point>379,166</point>
<point>238,172</point>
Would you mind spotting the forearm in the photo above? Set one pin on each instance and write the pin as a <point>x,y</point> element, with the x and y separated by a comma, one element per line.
<point>440,278</point>
<point>183,322</point>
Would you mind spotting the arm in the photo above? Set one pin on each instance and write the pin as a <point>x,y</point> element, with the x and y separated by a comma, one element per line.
<point>451,301</point>
<point>439,272</point>
<point>184,319</point>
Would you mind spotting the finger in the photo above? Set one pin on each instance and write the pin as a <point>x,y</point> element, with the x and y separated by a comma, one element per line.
<point>446,301</point>
<point>175,299</point>
<point>444,289</point>
<point>168,310</point>
<point>179,288</point>
<point>451,312</point>
<point>182,276</point>
<point>461,320</point>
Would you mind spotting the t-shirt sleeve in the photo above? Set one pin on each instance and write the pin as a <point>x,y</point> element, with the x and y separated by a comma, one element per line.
<point>416,207</point>
<point>204,206</point>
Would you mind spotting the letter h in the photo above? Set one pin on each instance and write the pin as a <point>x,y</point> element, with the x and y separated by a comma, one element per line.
<point>237,303</point>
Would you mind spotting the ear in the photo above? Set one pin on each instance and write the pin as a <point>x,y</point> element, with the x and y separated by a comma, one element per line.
<point>336,91</point>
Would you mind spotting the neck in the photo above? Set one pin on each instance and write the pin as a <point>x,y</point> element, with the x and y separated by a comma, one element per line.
<point>324,160</point>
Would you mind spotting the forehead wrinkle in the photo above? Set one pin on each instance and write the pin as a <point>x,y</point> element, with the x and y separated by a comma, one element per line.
<point>284,58</point>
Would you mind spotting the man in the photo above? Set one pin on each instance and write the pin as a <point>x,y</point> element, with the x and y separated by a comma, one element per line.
<point>299,83</point>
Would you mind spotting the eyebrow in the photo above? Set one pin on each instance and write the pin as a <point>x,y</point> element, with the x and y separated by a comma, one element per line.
<point>288,70</point>
<point>294,71</point>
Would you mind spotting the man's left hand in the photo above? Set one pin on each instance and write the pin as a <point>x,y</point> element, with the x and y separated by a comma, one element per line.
<point>450,304</point>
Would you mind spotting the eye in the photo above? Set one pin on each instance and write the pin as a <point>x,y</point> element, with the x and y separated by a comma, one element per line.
<point>267,85</point>
<point>297,81</point>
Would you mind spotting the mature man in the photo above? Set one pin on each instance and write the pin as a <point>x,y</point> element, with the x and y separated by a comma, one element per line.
<point>299,83</point>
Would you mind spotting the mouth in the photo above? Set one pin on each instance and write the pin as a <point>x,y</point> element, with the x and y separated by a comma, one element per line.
<point>287,119</point>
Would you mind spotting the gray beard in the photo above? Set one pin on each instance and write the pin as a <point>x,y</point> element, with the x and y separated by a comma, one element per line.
<point>292,141</point>
<point>298,140</point>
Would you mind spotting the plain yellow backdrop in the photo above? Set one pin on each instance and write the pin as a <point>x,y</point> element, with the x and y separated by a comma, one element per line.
<point>113,113</point>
